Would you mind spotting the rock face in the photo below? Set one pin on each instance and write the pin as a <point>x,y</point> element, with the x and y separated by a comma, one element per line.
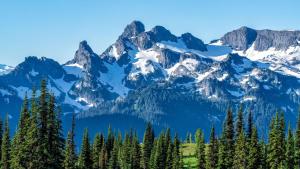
<point>244,37</point>
<point>240,39</point>
<point>159,77</point>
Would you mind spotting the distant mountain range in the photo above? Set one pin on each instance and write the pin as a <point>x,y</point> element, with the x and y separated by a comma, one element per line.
<point>173,81</point>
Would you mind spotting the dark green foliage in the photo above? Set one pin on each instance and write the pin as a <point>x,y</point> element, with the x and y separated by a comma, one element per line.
<point>70,154</point>
<point>5,152</point>
<point>240,156</point>
<point>255,157</point>
<point>147,146</point>
<point>200,151</point>
<point>290,150</point>
<point>85,157</point>
<point>212,153</point>
<point>113,161</point>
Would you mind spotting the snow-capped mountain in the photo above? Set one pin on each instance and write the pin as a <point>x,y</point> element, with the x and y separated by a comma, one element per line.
<point>173,81</point>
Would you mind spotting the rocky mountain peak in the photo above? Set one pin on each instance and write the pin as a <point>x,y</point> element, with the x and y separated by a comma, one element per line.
<point>83,55</point>
<point>160,33</point>
<point>192,42</point>
<point>133,29</point>
<point>241,38</point>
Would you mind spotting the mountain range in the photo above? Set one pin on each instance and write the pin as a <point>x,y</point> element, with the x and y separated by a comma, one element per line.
<point>172,81</point>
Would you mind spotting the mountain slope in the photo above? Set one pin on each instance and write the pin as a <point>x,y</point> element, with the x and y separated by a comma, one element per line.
<point>172,81</point>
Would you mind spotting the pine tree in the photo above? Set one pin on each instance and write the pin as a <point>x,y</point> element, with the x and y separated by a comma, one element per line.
<point>1,134</point>
<point>240,152</point>
<point>113,161</point>
<point>200,149</point>
<point>212,153</point>
<point>240,122</point>
<point>5,152</point>
<point>222,152</point>
<point>18,157</point>
<point>135,154</point>
<point>70,154</point>
<point>249,125</point>
<point>176,163</point>
<point>43,147</point>
<point>126,152</point>
<point>32,141</point>
<point>254,159</point>
<point>229,139</point>
<point>103,163</point>
<point>297,143</point>
<point>147,146</point>
<point>110,142</point>
<point>85,158</point>
<point>96,151</point>
<point>290,151</point>
<point>276,153</point>
<point>159,155</point>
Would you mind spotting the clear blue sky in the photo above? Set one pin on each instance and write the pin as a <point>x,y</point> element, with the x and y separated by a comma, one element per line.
<point>53,28</point>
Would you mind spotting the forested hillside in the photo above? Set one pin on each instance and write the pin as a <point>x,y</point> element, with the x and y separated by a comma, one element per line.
<point>39,143</point>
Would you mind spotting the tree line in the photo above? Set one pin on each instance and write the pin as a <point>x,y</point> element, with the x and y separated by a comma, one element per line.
<point>39,143</point>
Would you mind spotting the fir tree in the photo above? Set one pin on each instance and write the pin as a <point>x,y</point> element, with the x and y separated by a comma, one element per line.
<point>240,122</point>
<point>96,151</point>
<point>254,160</point>
<point>297,143</point>
<point>135,154</point>
<point>19,160</point>
<point>229,139</point>
<point>240,152</point>
<point>103,163</point>
<point>212,153</point>
<point>5,152</point>
<point>200,149</point>
<point>85,158</point>
<point>290,151</point>
<point>176,163</point>
<point>249,125</point>
<point>70,154</point>
<point>113,161</point>
<point>147,146</point>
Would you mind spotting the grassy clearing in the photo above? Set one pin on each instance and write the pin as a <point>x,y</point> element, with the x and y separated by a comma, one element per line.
<point>189,155</point>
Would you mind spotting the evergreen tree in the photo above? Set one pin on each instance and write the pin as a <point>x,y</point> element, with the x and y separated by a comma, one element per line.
<point>1,134</point>
<point>159,155</point>
<point>297,143</point>
<point>222,152</point>
<point>5,152</point>
<point>32,141</point>
<point>103,163</point>
<point>126,152</point>
<point>70,154</point>
<point>200,149</point>
<point>276,153</point>
<point>135,154</point>
<point>18,157</point>
<point>110,142</point>
<point>85,158</point>
<point>240,122</point>
<point>113,161</point>
<point>43,147</point>
<point>229,139</point>
<point>147,146</point>
<point>176,163</point>
<point>240,152</point>
<point>212,153</point>
<point>290,151</point>
<point>254,160</point>
<point>249,125</point>
<point>96,151</point>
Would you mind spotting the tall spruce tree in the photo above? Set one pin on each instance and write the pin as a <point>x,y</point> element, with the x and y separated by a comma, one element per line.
<point>85,158</point>
<point>200,144</point>
<point>276,152</point>
<point>19,160</point>
<point>255,157</point>
<point>103,163</point>
<point>290,150</point>
<point>5,152</point>
<point>229,139</point>
<point>96,151</point>
<point>176,163</point>
<point>135,153</point>
<point>297,143</point>
<point>147,146</point>
<point>212,152</point>
<point>249,125</point>
<point>240,121</point>
<point>114,160</point>
<point>240,156</point>
<point>70,154</point>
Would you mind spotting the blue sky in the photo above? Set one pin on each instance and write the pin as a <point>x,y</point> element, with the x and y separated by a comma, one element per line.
<point>54,28</point>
